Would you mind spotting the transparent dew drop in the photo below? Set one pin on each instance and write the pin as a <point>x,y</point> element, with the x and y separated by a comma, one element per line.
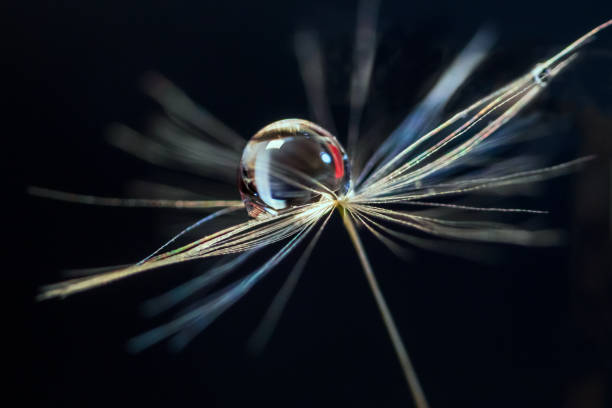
<point>289,163</point>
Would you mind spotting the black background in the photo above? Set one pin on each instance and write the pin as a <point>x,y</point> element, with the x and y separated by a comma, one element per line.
<point>533,330</point>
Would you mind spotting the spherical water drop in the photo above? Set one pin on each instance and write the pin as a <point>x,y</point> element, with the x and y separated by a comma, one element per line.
<point>291,162</point>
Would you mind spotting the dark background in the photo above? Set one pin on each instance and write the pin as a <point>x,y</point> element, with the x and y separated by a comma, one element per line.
<point>532,330</point>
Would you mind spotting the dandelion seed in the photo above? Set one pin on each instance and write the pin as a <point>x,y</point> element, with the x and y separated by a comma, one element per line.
<point>294,173</point>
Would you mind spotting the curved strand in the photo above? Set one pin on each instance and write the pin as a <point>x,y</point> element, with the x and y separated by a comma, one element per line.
<point>429,110</point>
<point>310,61</point>
<point>238,238</point>
<point>130,202</point>
<point>263,332</point>
<point>177,103</point>
<point>537,77</point>
<point>190,228</point>
<point>217,303</point>
<point>364,53</point>
<point>176,295</point>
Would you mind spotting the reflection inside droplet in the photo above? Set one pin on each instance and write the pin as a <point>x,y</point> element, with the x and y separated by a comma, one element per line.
<point>291,162</point>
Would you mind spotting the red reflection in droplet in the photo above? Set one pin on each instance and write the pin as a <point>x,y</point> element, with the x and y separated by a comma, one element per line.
<point>338,163</point>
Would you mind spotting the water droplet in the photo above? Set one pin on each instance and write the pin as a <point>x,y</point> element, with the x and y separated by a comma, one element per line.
<point>291,162</point>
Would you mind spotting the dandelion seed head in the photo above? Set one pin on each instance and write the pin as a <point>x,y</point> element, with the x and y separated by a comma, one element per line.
<point>293,173</point>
